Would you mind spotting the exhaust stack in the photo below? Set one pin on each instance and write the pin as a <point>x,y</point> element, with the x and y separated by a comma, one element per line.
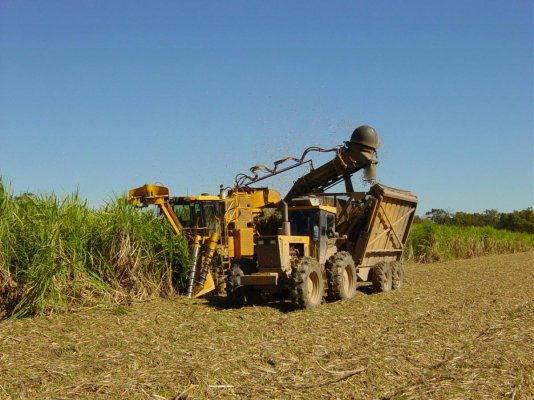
<point>286,225</point>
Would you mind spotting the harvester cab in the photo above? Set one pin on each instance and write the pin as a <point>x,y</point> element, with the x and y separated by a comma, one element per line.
<point>200,215</point>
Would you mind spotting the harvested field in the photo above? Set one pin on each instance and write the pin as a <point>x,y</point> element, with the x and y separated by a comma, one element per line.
<point>461,329</point>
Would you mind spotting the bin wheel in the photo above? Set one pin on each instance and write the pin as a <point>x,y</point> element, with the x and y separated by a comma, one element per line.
<point>381,277</point>
<point>397,272</point>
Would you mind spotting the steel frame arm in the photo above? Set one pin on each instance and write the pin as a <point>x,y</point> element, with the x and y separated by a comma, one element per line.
<point>159,196</point>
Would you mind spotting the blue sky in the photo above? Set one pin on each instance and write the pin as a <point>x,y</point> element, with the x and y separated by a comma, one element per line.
<point>108,95</point>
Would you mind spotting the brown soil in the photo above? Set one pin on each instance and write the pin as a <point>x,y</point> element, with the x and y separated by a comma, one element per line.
<point>457,330</point>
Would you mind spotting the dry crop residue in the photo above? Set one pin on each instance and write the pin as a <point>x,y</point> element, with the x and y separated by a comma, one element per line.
<point>461,329</point>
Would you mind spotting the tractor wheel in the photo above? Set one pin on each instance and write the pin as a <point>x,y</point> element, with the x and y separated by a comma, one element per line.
<point>307,284</point>
<point>235,293</point>
<point>238,296</point>
<point>397,273</point>
<point>341,274</point>
<point>381,277</point>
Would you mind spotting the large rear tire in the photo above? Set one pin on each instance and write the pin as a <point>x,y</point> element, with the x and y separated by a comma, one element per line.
<point>381,277</point>
<point>307,284</point>
<point>397,272</point>
<point>341,274</point>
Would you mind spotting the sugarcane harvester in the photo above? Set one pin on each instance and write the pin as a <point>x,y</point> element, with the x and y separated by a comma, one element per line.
<point>328,242</point>
<point>218,228</point>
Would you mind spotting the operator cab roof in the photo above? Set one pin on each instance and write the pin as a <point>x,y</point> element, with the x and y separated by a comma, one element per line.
<point>310,202</point>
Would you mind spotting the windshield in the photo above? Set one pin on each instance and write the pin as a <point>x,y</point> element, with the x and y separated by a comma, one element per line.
<point>183,212</point>
<point>303,221</point>
<point>199,214</point>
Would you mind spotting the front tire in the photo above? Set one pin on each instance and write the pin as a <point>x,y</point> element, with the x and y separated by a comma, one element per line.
<point>307,284</point>
<point>341,274</point>
<point>238,296</point>
<point>235,293</point>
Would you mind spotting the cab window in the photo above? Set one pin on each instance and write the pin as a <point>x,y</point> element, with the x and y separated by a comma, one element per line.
<point>330,224</point>
<point>183,212</point>
<point>303,221</point>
